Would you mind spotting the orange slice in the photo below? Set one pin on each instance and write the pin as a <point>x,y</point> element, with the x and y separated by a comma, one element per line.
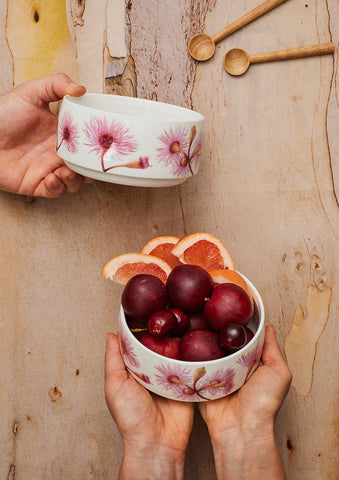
<point>161,247</point>
<point>230,276</point>
<point>205,250</point>
<point>123,267</point>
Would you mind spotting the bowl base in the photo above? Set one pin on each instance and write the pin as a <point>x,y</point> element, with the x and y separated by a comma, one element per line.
<point>124,180</point>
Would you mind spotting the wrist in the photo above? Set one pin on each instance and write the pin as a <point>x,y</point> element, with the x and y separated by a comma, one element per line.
<point>245,432</point>
<point>240,454</point>
<point>153,462</point>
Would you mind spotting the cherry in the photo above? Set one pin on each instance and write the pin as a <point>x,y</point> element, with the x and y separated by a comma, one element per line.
<point>162,323</point>
<point>233,337</point>
<point>182,321</point>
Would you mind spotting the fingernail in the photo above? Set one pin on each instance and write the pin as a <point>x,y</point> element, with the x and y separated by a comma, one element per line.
<point>70,88</point>
<point>72,176</point>
<point>57,184</point>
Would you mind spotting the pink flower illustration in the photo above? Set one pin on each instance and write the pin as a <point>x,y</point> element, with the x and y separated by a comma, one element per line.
<point>142,163</point>
<point>109,136</point>
<point>69,133</point>
<point>174,143</point>
<point>127,351</point>
<point>181,150</point>
<point>178,379</point>
<point>250,360</point>
<point>188,163</point>
<point>221,381</point>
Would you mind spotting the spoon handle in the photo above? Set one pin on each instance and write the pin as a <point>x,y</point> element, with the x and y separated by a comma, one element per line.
<point>247,18</point>
<point>290,53</point>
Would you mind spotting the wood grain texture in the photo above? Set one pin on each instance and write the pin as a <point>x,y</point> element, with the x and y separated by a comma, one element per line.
<point>268,136</point>
<point>43,43</point>
<point>267,188</point>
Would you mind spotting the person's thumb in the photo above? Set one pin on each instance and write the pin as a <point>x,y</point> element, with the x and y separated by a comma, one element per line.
<point>50,89</point>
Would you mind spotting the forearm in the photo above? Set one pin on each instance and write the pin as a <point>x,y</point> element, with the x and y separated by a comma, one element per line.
<point>242,457</point>
<point>152,464</point>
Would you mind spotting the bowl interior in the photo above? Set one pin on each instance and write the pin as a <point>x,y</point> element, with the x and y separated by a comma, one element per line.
<point>135,107</point>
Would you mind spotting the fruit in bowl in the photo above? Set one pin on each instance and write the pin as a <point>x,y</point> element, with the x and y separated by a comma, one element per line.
<point>200,340</point>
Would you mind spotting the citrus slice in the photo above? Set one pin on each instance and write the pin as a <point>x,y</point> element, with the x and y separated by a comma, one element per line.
<point>205,250</point>
<point>123,267</point>
<point>231,276</point>
<point>161,247</point>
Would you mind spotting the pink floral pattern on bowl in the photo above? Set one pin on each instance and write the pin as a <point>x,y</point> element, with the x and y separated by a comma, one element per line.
<point>68,133</point>
<point>103,135</point>
<point>196,387</point>
<point>159,142</point>
<point>186,384</point>
<point>181,150</point>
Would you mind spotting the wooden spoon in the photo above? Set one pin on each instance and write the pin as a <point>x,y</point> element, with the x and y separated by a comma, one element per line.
<point>237,61</point>
<point>202,47</point>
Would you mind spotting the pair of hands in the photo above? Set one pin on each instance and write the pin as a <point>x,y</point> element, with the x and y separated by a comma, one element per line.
<point>29,164</point>
<point>156,430</point>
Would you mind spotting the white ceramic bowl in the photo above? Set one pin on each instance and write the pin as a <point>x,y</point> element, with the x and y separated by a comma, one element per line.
<point>193,381</point>
<point>129,140</point>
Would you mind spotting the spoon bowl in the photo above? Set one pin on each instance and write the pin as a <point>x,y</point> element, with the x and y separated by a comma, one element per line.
<point>236,61</point>
<point>201,47</point>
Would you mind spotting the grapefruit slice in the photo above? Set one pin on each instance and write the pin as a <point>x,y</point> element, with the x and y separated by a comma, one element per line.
<point>205,250</point>
<point>231,276</point>
<point>123,267</point>
<point>161,247</point>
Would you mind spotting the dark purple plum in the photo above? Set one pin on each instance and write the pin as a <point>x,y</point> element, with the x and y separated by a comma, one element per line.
<point>182,319</point>
<point>249,334</point>
<point>229,303</point>
<point>197,320</point>
<point>233,337</point>
<point>166,346</point>
<point>188,286</point>
<point>200,346</point>
<point>162,323</point>
<point>142,296</point>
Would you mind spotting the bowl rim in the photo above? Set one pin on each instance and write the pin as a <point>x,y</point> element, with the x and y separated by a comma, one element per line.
<point>197,116</point>
<point>260,306</point>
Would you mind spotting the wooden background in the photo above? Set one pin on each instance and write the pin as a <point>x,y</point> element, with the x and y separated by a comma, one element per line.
<point>268,187</point>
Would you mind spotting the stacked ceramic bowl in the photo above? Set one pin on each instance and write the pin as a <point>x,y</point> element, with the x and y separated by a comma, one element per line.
<point>128,140</point>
